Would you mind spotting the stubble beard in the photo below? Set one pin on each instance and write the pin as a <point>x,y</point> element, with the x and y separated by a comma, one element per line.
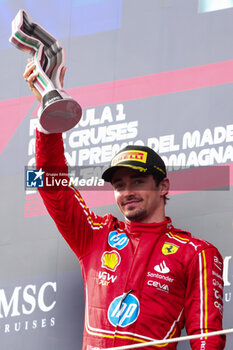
<point>137,215</point>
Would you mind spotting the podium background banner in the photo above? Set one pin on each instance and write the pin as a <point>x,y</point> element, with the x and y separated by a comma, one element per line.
<point>155,73</point>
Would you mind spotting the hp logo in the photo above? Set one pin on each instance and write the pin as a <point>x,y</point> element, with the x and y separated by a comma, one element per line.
<point>123,313</point>
<point>117,240</point>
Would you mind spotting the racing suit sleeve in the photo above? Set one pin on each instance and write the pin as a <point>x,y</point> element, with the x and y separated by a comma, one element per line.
<point>204,299</point>
<point>77,224</point>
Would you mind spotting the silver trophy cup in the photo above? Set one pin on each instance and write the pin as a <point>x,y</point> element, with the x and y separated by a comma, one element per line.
<point>60,112</point>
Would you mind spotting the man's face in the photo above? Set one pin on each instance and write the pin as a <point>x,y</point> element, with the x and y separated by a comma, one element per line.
<point>138,197</point>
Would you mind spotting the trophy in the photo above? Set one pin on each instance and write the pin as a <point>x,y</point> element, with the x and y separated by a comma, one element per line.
<point>60,112</point>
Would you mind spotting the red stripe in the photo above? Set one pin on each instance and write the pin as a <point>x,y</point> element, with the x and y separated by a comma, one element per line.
<point>154,84</point>
<point>34,205</point>
<point>185,181</point>
<point>128,89</point>
<point>39,83</point>
<point>20,43</point>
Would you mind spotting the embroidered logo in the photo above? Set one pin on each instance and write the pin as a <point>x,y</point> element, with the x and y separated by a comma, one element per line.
<point>162,268</point>
<point>123,310</point>
<point>118,240</point>
<point>169,248</point>
<point>110,260</point>
<point>136,156</point>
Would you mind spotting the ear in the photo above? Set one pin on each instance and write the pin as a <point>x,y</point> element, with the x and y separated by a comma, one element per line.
<point>164,187</point>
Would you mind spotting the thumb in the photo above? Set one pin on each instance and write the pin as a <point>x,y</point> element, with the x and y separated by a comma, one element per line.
<point>62,75</point>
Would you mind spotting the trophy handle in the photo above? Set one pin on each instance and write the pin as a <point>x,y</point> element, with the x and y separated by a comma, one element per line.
<point>59,111</point>
<point>53,57</point>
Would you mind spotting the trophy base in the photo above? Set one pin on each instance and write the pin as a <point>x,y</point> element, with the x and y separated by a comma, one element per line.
<point>61,116</point>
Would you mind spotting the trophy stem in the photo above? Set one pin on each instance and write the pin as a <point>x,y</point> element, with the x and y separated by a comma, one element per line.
<point>59,111</point>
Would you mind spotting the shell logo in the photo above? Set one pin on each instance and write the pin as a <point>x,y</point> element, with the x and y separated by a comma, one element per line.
<point>110,260</point>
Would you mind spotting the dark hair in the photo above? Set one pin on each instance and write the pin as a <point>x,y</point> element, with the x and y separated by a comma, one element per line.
<point>157,182</point>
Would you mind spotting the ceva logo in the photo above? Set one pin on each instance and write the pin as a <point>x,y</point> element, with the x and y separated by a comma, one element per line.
<point>123,311</point>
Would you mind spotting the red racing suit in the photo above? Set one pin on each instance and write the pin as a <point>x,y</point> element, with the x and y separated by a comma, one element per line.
<point>142,281</point>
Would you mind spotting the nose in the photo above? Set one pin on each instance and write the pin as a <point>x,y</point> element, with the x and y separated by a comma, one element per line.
<point>128,191</point>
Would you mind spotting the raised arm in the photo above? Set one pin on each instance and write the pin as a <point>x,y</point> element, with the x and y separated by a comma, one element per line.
<point>75,221</point>
<point>65,205</point>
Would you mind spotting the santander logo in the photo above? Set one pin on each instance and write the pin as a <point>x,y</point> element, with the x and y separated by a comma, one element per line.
<point>162,268</point>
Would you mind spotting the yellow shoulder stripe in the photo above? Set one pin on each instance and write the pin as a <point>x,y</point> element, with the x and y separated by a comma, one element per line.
<point>85,207</point>
<point>182,238</point>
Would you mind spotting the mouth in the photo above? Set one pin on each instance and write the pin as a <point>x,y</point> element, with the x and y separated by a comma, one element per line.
<point>131,203</point>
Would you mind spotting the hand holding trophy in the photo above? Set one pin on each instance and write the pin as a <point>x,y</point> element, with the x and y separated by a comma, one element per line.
<point>59,111</point>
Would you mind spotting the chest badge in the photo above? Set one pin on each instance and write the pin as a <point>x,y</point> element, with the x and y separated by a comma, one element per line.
<point>118,240</point>
<point>169,248</point>
<point>123,310</point>
<point>162,268</point>
<point>110,260</point>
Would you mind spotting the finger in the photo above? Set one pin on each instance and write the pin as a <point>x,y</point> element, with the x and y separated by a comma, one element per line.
<point>62,75</point>
<point>31,79</point>
<point>29,70</point>
<point>30,63</point>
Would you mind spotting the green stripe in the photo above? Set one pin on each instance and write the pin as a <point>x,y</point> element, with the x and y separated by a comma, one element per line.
<point>42,80</point>
<point>26,42</point>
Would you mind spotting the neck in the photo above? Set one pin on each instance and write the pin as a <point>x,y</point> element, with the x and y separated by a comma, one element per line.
<point>155,227</point>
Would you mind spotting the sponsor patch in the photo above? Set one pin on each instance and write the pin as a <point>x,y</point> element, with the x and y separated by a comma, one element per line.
<point>136,156</point>
<point>123,310</point>
<point>118,240</point>
<point>169,248</point>
<point>162,268</point>
<point>110,260</point>
<point>105,278</point>
<point>218,263</point>
<point>158,285</point>
<point>161,277</point>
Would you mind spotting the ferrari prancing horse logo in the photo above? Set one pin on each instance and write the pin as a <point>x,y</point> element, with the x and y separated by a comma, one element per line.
<point>169,248</point>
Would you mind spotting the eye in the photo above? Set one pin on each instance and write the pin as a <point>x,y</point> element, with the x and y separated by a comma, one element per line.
<point>139,181</point>
<point>119,186</point>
